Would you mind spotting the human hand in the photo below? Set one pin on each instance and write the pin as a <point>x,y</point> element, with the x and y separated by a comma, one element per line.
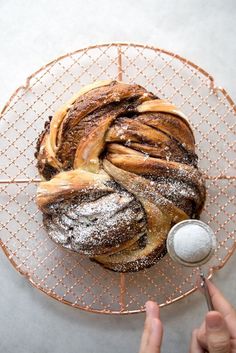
<point>153,330</point>
<point>217,333</point>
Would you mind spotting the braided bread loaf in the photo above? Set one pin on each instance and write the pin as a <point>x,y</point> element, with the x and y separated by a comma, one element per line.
<point>119,170</point>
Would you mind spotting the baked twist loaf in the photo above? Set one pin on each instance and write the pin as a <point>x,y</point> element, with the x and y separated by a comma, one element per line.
<point>119,169</point>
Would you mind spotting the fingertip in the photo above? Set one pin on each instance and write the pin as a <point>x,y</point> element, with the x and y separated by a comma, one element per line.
<point>213,314</point>
<point>214,320</point>
<point>152,309</point>
<point>151,303</point>
<point>217,333</point>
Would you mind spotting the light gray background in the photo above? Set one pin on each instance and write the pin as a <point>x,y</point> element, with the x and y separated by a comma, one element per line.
<point>31,34</point>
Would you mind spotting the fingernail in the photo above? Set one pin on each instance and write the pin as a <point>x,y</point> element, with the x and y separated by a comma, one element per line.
<point>214,322</point>
<point>150,309</point>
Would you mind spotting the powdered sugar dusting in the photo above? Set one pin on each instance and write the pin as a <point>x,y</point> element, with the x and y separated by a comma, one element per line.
<point>93,225</point>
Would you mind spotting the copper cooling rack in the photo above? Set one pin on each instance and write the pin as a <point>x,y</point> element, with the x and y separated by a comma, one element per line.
<point>73,279</point>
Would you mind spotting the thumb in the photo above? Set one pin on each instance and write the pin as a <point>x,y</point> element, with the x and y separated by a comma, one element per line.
<point>217,333</point>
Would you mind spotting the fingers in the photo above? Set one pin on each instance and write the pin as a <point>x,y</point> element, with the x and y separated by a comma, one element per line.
<point>217,333</point>
<point>219,302</point>
<point>213,335</point>
<point>195,347</point>
<point>224,307</point>
<point>201,335</point>
<point>152,310</point>
<point>153,330</point>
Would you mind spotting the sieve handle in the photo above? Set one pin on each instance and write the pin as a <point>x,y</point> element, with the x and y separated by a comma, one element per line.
<point>205,290</point>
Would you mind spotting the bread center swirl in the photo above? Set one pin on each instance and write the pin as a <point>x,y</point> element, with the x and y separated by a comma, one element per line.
<point>120,169</point>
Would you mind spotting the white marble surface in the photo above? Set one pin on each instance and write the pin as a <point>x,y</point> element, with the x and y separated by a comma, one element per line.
<point>31,34</point>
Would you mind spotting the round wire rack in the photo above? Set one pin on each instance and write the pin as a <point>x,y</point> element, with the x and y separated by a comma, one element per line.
<point>73,279</point>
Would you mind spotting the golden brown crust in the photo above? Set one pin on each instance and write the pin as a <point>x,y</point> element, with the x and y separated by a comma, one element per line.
<point>121,170</point>
<point>66,184</point>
